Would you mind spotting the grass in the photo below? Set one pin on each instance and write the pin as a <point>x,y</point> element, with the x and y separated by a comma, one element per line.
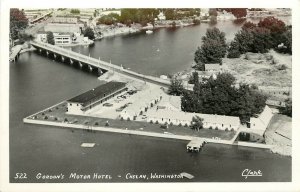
<point>58,114</point>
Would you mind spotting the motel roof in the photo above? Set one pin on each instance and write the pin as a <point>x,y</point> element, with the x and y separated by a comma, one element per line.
<point>186,116</point>
<point>98,92</point>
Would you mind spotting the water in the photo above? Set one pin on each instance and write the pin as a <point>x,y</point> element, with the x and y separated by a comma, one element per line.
<point>37,82</point>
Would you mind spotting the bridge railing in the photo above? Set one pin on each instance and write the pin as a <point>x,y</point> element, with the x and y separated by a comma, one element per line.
<point>98,63</point>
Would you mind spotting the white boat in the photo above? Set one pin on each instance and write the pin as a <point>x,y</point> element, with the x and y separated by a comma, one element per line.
<point>149,32</point>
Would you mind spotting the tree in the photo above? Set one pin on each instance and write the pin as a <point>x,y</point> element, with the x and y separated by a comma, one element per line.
<point>88,32</point>
<point>75,11</point>
<point>50,38</point>
<point>237,12</point>
<point>219,95</point>
<point>176,87</point>
<point>197,123</point>
<point>18,22</point>
<point>194,78</point>
<point>213,48</point>
<point>287,110</point>
<point>234,50</point>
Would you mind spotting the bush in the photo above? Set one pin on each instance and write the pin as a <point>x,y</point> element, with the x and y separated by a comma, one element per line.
<point>55,119</point>
<point>226,129</point>
<point>46,117</point>
<point>96,123</point>
<point>180,125</point>
<point>106,124</point>
<point>186,125</point>
<point>121,118</point>
<point>281,67</point>
<point>50,110</point>
<point>35,117</point>
<point>171,123</point>
<point>156,122</point>
<point>232,129</point>
<point>128,119</point>
<point>165,123</point>
<point>66,120</point>
<point>216,128</point>
<point>151,121</point>
<point>210,127</point>
<point>43,113</point>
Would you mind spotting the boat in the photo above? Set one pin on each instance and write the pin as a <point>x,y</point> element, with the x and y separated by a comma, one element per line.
<point>149,32</point>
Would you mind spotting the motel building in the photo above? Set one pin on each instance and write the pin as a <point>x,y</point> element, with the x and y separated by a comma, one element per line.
<point>62,38</point>
<point>87,100</point>
<point>220,122</point>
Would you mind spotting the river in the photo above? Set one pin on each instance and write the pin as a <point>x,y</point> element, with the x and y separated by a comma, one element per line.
<point>37,82</point>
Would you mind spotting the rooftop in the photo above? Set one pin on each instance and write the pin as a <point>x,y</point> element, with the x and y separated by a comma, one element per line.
<point>101,91</point>
<point>212,67</point>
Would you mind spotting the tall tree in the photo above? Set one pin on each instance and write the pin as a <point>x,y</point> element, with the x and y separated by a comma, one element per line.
<point>288,109</point>
<point>176,87</point>
<point>18,22</point>
<point>50,38</point>
<point>197,123</point>
<point>213,48</point>
<point>88,32</point>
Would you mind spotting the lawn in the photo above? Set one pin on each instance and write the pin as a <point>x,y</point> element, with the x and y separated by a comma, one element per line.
<point>58,114</point>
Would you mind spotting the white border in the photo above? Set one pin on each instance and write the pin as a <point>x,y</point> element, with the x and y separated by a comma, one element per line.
<point>5,5</point>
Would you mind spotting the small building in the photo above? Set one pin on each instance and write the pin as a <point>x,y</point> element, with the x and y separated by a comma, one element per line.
<point>212,67</point>
<point>259,125</point>
<point>94,97</point>
<point>161,16</point>
<point>62,38</point>
<point>41,37</point>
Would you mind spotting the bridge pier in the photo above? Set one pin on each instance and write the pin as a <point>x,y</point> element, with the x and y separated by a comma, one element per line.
<point>90,68</point>
<point>47,53</point>
<point>62,58</point>
<point>40,50</point>
<point>80,65</point>
<point>71,61</point>
<point>100,72</point>
<point>54,56</point>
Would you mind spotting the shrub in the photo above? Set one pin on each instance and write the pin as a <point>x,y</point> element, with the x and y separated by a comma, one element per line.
<point>96,123</point>
<point>46,117</point>
<point>106,124</point>
<point>166,123</point>
<point>121,118</point>
<point>216,128</point>
<point>50,110</point>
<point>66,119</point>
<point>55,119</point>
<point>35,117</point>
<point>43,113</point>
<point>232,129</point>
<point>151,121</point>
<point>128,119</point>
<point>186,125</point>
<point>210,127</point>
<point>171,123</point>
<point>179,124</point>
<point>156,122</point>
<point>226,129</point>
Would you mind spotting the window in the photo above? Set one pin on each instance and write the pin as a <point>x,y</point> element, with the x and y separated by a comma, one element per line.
<point>70,104</point>
<point>222,125</point>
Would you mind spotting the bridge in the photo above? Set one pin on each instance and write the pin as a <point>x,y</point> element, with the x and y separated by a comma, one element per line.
<point>93,63</point>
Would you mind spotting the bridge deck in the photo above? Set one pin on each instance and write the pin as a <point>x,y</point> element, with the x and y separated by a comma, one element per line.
<point>100,64</point>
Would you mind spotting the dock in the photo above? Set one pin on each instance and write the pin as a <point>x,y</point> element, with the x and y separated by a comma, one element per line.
<point>195,145</point>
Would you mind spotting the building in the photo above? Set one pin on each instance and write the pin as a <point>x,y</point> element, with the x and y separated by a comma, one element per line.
<point>64,27</point>
<point>161,16</point>
<point>142,102</point>
<point>70,20</point>
<point>62,38</point>
<point>41,37</point>
<point>212,67</point>
<point>94,97</point>
<point>259,125</point>
<point>221,122</point>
